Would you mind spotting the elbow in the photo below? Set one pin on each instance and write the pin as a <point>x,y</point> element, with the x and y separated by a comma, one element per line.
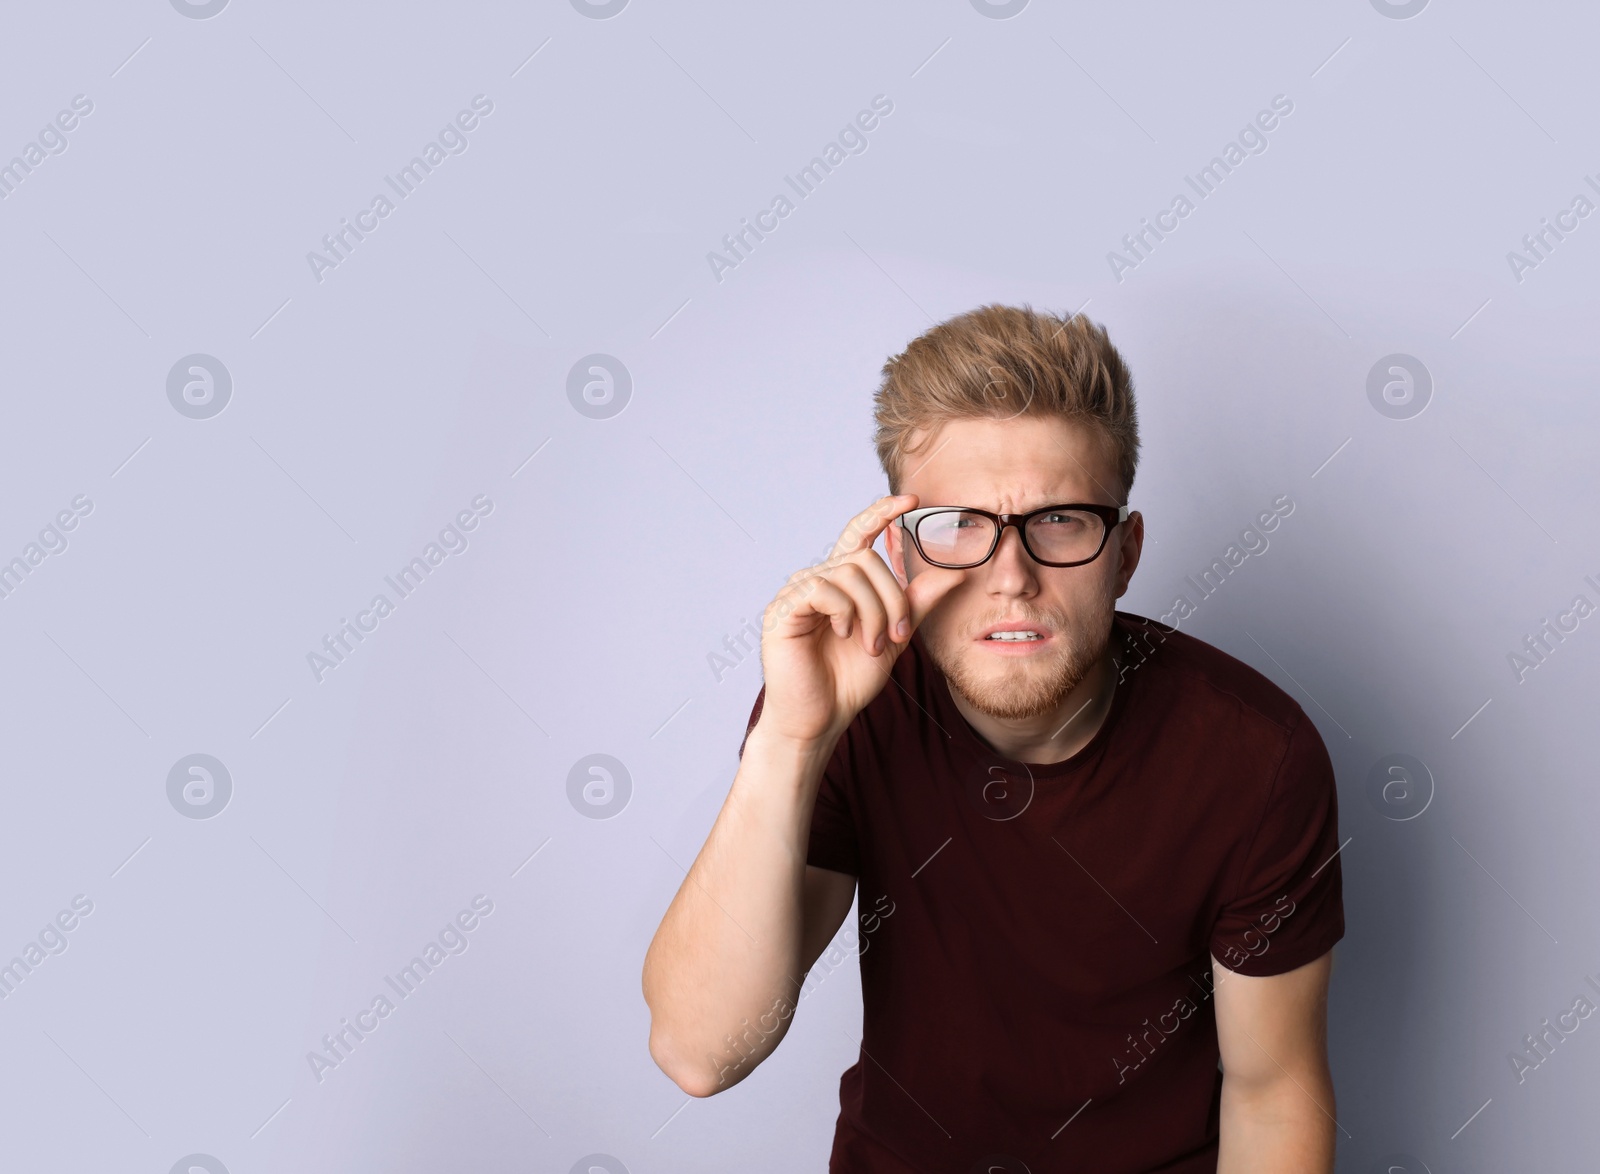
<point>668,1052</point>
<point>700,1085</point>
<point>688,1076</point>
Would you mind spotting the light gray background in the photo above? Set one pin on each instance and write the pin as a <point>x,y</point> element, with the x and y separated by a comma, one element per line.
<point>431,367</point>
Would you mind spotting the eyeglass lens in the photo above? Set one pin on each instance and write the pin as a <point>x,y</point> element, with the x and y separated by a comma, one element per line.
<point>958,538</point>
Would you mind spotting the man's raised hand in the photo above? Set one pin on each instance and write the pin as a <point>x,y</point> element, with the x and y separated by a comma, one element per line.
<point>832,634</point>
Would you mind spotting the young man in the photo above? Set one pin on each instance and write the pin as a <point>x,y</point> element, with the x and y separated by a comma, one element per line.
<point>1100,855</point>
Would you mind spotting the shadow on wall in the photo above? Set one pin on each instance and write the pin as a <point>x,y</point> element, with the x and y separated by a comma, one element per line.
<point>1384,441</point>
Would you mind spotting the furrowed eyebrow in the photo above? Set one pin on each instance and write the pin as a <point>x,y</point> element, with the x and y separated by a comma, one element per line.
<point>1031,510</point>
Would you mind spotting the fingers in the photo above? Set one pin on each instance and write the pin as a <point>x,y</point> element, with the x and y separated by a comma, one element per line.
<point>877,604</point>
<point>871,614</point>
<point>865,527</point>
<point>897,610</point>
<point>829,601</point>
<point>857,596</point>
<point>857,593</point>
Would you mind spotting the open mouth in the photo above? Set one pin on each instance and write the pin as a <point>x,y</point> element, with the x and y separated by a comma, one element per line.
<point>1014,637</point>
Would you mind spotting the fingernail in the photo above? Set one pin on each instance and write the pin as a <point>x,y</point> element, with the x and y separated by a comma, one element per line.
<point>902,629</point>
<point>877,646</point>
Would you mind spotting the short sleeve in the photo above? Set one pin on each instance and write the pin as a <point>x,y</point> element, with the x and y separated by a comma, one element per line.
<point>832,842</point>
<point>1287,907</point>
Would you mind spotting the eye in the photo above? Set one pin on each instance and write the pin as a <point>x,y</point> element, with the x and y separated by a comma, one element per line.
<point>952,520</point>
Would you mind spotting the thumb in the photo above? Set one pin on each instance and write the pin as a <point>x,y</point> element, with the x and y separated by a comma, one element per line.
<point>929,587</point>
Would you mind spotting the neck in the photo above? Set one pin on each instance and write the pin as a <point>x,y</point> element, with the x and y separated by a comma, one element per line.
<point>1059,734</point>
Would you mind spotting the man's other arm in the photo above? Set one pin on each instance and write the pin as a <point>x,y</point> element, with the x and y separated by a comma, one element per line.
<point>745,927</point>
<point>1277,1091</point>
<point>722,976</point>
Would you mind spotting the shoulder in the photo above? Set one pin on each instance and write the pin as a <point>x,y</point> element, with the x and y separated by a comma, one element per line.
<point>1244,745</point>
<point>1204,677</point>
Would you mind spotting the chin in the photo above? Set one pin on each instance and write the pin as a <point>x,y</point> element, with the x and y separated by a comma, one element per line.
<point>1013,692</point>
<point>1018,690</point>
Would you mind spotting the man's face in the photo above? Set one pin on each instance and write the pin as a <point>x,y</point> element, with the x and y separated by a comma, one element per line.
<point>1014,466</point>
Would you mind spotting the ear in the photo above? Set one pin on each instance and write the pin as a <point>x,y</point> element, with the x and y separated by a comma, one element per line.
<point>1129,550</point>
<point>894,539</point>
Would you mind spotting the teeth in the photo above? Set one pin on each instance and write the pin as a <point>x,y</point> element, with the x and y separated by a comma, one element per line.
<point>1012,636</point>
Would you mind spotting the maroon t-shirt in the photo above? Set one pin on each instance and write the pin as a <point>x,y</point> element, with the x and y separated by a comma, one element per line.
<point>1036,939</point>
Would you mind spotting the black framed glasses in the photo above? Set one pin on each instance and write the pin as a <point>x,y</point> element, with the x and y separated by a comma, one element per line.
<point>958,538</point>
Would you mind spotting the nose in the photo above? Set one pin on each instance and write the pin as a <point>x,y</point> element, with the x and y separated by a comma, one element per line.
<point>1012,570</point>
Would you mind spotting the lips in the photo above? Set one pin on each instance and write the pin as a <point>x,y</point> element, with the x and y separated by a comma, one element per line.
<point>1015,632</point>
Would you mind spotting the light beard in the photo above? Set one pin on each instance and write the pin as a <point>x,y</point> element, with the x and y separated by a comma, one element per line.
<point>1021,690</point>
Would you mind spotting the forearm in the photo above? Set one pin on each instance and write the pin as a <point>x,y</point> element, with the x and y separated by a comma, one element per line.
<point>1280,1126</point>
<point>726,957</point>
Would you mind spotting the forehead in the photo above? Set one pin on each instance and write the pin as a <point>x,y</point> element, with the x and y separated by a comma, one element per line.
<point>1011,466</point>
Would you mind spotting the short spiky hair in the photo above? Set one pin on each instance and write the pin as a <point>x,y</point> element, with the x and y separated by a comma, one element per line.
<point>997,362</point>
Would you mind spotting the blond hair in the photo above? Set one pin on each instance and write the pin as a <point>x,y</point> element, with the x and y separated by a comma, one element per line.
<point>998,362</point>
